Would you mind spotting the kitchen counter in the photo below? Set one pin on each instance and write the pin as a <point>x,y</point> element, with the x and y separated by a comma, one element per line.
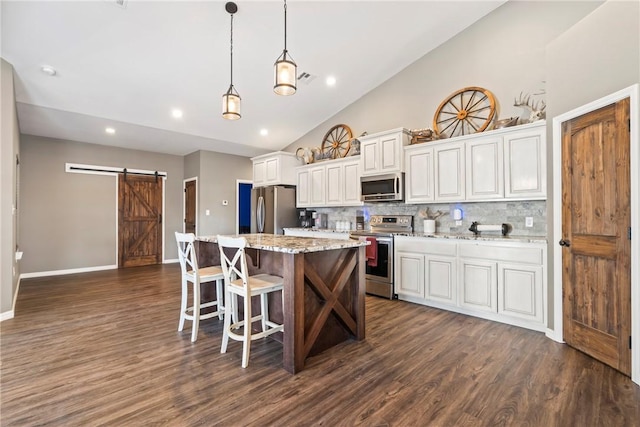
<point>324,286</point>
<point>482,237</point>
<point>292,244</point>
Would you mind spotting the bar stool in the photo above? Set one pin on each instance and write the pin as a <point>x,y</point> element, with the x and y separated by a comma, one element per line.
<point>238,282</point>
<point>191,273</point>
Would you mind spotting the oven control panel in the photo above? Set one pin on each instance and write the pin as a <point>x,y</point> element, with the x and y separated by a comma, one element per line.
<point>392,222</point>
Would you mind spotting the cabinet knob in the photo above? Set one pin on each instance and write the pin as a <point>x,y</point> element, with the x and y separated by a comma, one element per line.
<point>564,242</point>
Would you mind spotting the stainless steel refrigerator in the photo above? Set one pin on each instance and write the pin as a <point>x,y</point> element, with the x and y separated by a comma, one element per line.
<point>272,209</point>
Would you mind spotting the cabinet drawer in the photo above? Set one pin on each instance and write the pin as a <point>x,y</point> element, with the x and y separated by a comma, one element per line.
<point>502,253</point>
<point>425,246</point>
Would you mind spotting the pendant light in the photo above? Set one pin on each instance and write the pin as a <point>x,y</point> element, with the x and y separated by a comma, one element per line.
<point>231,99</point>
<point>285,67</point>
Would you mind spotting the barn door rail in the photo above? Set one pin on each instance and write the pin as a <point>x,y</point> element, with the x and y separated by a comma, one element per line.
<point>110,170</point>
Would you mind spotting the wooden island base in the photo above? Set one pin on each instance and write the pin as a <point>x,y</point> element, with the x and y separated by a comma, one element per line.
<point>323,302</point>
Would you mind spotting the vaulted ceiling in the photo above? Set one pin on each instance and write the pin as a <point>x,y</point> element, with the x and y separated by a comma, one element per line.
<point>127,67</point>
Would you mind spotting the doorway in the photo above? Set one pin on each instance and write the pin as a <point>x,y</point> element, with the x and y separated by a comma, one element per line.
<point>596,258</point>
<point>190,205</point>
<point>139,220</point>
<point>596,217</point>
<point>243,208</point>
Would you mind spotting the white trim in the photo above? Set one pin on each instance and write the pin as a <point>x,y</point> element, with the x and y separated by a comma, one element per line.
<point>105,170</point>
<point>554,335</point>
<point>117,227</point>
<point>67,271</point>
<point>6,315</point>
<point>184,203</point>
<point>238,182</point>
<point>633,93</point>
<point>171,261</point>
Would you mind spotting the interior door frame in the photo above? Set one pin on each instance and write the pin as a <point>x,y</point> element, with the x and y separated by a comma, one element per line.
<point>633,93</point>
<point>184,202</point>
<point>238,182</point>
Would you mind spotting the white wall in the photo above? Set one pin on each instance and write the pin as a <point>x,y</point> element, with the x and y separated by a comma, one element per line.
<point>503,52</point>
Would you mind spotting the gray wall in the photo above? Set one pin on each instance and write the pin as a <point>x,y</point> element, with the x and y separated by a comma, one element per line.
<point>217,182</point>
<point>68,220</point>
<point>596,57</point>
<point>503,52</point>
<point>9,149</point>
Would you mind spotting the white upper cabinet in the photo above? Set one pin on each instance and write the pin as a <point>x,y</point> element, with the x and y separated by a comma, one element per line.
<point>382,152</point>
<point>419,176</point>
<point>274,169</point>
<point>484,169</point>
<point>525,164</point>
<point>495,165</point>
<point>330,183</point>
<point>449,172</point>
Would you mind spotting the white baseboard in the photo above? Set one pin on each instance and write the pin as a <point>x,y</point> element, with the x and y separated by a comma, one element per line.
<point>171,261</point>
<point>68,271</point>
<point>554,335</point>
<point>6,315</point>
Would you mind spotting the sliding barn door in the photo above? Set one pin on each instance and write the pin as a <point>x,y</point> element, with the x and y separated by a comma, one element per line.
<point>139,220</point>
<point>596,243</point>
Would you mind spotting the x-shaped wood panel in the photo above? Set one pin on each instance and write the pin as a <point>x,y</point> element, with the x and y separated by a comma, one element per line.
<point>330,297</point>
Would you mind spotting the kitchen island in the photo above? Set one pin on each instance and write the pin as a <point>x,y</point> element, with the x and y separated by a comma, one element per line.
<point>324,288</point>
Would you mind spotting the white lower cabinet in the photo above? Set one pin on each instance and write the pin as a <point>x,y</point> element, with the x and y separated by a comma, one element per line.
<point>441,279</point>
<point>501,281</point>
<point>479,285</point>
<point>520,291</point>
<point>410,274</point>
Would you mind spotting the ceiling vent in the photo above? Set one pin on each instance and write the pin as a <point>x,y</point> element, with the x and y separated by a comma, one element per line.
<point>306,78</point>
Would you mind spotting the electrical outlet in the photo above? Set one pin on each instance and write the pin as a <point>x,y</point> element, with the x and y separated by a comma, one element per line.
<point>207,212</point>
<point>458,223</point>
<point>528,221</point>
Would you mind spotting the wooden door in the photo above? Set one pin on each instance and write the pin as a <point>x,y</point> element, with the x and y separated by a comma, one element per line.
<point>190,206</point>
<point>139,220</point>
<point>596,216</point>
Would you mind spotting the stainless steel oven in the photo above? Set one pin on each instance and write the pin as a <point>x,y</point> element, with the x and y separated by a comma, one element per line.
<point>379,274</point>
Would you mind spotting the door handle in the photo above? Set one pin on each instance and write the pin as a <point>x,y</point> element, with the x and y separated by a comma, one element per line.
<point>564,242</point>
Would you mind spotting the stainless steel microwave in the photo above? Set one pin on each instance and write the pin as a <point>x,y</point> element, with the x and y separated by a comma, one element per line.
<point>382,188</point>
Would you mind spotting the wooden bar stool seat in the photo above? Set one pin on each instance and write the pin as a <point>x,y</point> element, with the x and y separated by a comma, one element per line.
<point>194,275</point>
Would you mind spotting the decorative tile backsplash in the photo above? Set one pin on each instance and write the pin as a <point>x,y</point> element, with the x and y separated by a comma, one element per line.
<point>509,212</point>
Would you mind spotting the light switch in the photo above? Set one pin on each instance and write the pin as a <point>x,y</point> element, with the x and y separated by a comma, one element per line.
<point>207,212</point>
<point>528,221</point>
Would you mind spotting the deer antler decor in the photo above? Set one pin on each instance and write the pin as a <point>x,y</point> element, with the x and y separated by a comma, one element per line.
<point>536,108</point>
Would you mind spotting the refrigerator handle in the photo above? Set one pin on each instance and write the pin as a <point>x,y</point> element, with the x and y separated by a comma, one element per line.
<point>260,214</point>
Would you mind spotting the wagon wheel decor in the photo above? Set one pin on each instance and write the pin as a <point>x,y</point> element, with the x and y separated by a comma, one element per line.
<point>337,142</point>
<point>469,110</point>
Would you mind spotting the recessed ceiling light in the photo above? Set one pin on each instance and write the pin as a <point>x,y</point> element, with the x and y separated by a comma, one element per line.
<point>110,131</point>
<point>264,132</point>
<point>48,70</point>
<point>176,113</point>
<point>331,81</point>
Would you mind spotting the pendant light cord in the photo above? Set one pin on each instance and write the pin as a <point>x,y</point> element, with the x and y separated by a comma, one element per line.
<point>285,26</point>
<point>231,50</point>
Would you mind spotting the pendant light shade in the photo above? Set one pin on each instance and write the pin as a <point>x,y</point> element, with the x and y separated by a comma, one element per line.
<point>231,99</point>
<point>285,67</point>
<point>231,104</point>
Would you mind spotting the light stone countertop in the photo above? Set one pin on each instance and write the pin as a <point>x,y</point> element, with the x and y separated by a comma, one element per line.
<point>291,244</point>
<point>480,237</point>
<point>483,236</point>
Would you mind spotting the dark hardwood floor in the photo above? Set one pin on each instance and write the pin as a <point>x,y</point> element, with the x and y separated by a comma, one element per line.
<point>103,349</point>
